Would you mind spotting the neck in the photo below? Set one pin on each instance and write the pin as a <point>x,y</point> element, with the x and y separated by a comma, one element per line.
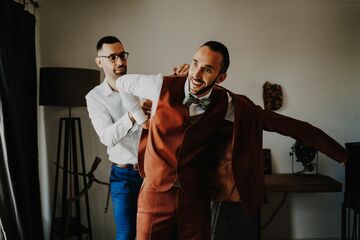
<point>112,84</point>
<point>201,95</point>
<point>203,91</point>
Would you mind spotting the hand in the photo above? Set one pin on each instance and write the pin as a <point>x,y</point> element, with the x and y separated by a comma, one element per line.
<point>145,125</point>
<point>181,70</point>
<point>146,107</point>
<point>131,118</point>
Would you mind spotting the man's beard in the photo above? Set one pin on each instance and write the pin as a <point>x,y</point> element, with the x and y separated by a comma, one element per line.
<point>123,71</point>
<point>205,89</point>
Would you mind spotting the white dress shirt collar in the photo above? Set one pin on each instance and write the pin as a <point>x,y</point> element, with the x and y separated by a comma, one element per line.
<point>106,88</point>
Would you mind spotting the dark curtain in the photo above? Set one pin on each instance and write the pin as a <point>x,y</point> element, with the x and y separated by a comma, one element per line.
<point>20,208</point>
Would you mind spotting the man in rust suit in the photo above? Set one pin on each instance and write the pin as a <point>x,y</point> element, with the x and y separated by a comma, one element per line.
<point>187,114</point>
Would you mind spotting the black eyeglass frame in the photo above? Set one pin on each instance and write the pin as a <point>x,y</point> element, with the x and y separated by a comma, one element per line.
<point>123,56</point>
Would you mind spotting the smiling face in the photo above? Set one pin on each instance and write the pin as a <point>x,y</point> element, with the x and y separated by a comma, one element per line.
<point>205,71</point>
<point>112,70</point>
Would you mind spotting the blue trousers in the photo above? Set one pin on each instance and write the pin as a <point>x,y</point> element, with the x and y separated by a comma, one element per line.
<point>125,184</point>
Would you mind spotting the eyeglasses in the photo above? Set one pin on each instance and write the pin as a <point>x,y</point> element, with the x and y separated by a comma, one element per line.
<point>115,57</point>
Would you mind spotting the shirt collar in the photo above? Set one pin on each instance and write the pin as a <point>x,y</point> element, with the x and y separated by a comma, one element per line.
<point>187,91</point>
<point>106,88</point>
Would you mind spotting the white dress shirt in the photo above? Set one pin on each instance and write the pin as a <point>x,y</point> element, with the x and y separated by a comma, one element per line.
<point>133,86</point>
<point>111,122</point>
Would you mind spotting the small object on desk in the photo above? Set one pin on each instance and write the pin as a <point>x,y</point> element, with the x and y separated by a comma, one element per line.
<point>305,155</point>
<point>267,161</point>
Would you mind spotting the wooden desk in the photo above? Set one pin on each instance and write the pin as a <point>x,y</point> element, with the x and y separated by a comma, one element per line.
<point>284,183</point>
<point>301,183</point>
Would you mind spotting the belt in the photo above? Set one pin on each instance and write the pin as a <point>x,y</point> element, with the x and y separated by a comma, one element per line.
<point>128,165</point>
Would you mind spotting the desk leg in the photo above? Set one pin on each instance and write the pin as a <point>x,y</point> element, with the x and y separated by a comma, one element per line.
<point>215,211</point>
<point>230,222</point>
<point>259,224</point>
<point>343,222</point>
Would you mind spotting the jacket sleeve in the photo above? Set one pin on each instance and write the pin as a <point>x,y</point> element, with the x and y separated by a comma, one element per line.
<point>303,131</point>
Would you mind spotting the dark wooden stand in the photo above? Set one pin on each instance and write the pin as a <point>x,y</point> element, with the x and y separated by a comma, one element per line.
<point>68,223</point>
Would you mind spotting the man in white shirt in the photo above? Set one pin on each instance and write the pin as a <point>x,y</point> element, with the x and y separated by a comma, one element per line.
<point>119,132</point>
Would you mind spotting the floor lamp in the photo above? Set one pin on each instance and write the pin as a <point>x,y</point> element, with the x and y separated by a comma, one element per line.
<point>67,87</point>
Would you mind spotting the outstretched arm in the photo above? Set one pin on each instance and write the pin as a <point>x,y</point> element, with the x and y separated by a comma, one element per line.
<point>303,131</point>
<point>132,87</point>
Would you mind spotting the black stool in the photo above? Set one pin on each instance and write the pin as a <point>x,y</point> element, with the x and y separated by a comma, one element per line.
<point>350,221</point>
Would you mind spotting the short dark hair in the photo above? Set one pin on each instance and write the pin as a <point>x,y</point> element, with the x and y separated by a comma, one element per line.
<point>106,40</point>
<point>222,49</point>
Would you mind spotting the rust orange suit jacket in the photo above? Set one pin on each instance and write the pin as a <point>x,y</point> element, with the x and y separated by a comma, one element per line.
<point>242,146</point>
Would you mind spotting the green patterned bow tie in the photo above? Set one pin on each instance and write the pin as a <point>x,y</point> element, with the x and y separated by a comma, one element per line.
<point>203,103</point>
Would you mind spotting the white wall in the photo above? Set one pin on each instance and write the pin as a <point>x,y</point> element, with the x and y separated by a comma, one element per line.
<point>311,48</point>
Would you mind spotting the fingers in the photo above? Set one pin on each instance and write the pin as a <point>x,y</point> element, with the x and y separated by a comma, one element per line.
<point>181,70</point>
<point>146,107</point>
<point>131,118</point>
<point>147,103</point>
<point>145,125</point>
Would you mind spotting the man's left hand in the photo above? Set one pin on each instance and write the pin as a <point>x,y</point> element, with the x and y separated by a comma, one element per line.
<point>181,70</point>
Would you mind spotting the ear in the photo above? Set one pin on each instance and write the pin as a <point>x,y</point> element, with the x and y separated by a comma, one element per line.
<point>98,62</point>
<point>221,78</point>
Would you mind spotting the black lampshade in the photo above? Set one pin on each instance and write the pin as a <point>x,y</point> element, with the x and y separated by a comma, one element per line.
<point>61,86</point>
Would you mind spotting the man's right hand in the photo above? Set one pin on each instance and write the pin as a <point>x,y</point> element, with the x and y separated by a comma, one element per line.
<point>146,107</point>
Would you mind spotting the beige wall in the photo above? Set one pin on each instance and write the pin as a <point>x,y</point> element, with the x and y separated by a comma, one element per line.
<point>309,47</point>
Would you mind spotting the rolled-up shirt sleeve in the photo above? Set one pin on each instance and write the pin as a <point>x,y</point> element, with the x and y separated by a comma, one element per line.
<point>132,87</point>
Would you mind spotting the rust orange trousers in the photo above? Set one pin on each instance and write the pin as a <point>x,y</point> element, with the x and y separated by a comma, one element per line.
<point>172,215</point>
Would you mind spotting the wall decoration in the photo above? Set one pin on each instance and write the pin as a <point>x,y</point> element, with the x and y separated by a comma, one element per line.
<point>273,96</point>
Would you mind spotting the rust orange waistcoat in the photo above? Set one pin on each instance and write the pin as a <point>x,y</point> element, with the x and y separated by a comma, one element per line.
<point>177,148</point>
